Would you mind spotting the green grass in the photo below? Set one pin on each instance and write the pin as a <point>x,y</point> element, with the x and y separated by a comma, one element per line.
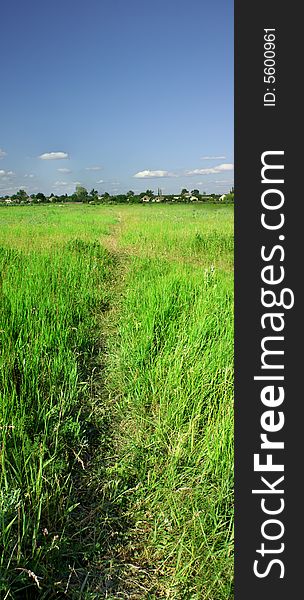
<point>49,309</point>
<point>117,453</point>
<point>202,234</point>
<point>175,370</point>
<point>51,226</point>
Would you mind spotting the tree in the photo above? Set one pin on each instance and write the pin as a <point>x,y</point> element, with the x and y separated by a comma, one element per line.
<point>105,197</point>
<point>121,198</point>
<point>93,195</point>
<point>41,197</point>
<point>130,193</point>
<point>135,199</point>
<point>149,192</point>
<point>195,193</point>
<point>21,195</point>
<point>230,196</point>
<point>184,191</point>
<point>82,193</point>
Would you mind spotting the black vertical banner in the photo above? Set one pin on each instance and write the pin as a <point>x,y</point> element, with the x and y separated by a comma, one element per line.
<point>269,415</point>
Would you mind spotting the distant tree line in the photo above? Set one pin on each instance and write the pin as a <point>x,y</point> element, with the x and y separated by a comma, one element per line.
<point>82,195</point>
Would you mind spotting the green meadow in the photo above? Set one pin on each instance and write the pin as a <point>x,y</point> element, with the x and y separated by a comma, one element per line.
<point>116,406</point>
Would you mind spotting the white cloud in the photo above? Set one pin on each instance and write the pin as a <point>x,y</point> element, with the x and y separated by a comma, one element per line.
<point>2,153</point>
<point>211,170</point>
<point>64,170</point>
<point>225,167</point>
<point>212,181</point>
<point>53,155</point>
<point>213,157</point>
<point>61,183</point>
<point>147,174</point>
<point>100,181</point>
<point>6,174</point>
<point>223,181</point>
<point>96,168</point>
<point>30,175</point>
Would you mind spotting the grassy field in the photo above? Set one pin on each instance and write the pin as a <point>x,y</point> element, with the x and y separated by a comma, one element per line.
<point>116,432</point>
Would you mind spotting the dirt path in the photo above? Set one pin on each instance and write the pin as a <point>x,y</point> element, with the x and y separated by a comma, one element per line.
<point>111,241</point>
<point>112,541</point>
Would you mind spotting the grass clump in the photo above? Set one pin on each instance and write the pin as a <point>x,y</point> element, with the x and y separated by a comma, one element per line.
<point>175,372</point>
<point>49,309</point>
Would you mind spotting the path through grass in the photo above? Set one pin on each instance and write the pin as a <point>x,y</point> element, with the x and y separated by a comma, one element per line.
<point>116,402</point>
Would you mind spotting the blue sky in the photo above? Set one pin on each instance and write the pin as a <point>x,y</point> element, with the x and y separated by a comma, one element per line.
<point>116,95</point>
